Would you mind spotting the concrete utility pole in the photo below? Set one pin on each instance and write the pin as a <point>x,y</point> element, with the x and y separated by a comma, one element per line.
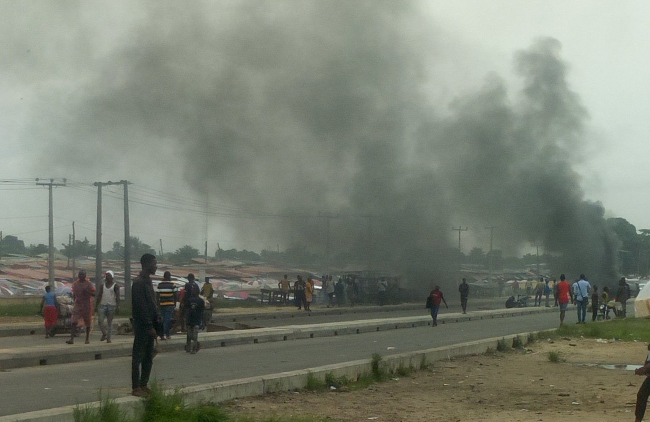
<point>370,246</point>
<point>74,252</point>
<point>50,260</point>
<point>327,216</point>
<point>127,236</point>
<point>98,234</point>
<point>459,229</point>
<point>127,244</point>
<point>537,245</point>
<point>491,228</point>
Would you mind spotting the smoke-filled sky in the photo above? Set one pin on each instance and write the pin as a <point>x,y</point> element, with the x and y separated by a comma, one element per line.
<point>399,119</point>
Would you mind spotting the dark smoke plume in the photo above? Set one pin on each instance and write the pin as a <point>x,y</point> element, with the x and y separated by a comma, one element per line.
<point>291,108</point>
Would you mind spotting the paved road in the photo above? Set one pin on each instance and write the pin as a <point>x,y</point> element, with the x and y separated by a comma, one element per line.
<point>46,387</point>
<point>263,320</point>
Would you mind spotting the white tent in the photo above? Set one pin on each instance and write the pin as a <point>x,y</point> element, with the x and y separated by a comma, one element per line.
<point>642,302</point>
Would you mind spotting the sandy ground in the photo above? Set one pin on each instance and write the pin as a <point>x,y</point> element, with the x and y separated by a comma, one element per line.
<point>521,385</point>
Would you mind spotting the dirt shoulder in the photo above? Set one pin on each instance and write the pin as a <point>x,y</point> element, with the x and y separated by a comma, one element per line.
<point>512,386</point>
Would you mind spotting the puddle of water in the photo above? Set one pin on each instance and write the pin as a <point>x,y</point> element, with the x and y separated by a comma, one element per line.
<point>623,367</point>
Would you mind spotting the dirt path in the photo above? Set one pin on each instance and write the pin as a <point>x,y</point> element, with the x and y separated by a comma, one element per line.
<point>512,386</point>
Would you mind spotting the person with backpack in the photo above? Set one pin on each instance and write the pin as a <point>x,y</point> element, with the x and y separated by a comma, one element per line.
<point>195,307</point>
<point>190,288</point>
<point>107,305</point>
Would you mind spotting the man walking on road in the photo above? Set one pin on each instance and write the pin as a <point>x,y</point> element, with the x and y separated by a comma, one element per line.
<point>622,295</point>
<point>563,296</point>
<point>436,298</point>
<point>283,285</point>
<point>464,292</point>
<point>82,291</point>
<point>107,305</point>
<point>146,326</point>
<point>581,293</point>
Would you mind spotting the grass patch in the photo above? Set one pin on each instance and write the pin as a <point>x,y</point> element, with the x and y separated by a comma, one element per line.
<point>517,343</point>
<point>627,329</point>
<point>161,407</point>
<point>221,303</point>
<point>501,345</point>
<point>424,364</point>
<point>378,370</point>
<point>171,407</point>
<point>314,384</point>
<point>108,411</point>
<point>20,310</point>
<point>532,338</point>
<point>337,382</point>
<point>404,371</point>
<point>554,357</point>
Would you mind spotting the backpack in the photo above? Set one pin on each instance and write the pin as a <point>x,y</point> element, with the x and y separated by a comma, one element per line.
<point>429,303</point>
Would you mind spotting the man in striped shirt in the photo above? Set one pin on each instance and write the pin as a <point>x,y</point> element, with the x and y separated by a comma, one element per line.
<point>167,298</point>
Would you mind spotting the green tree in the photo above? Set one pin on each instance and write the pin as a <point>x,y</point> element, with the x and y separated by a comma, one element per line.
<point>79,248</point>
<point>184,254</point>
<point>629,247</point>
<point>139,248</point>
<point>34,250</point>
<point>11,244</point>
<point>476,256</point>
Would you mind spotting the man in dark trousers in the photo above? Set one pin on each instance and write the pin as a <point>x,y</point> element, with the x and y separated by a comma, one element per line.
<point>463,289</point>
<point>146,326</point>
<point>195,307</point>
<point>436,298</point>
<point>167,297</point>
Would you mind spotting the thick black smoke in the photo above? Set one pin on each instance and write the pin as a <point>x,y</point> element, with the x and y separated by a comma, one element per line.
<point>292,108</point>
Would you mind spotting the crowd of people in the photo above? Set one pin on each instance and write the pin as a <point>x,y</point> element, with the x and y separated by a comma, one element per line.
<point>580,293</point>
<point>348,289</point>
<point>158,313</point>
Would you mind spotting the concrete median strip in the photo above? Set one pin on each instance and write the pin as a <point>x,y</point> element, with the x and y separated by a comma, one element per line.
<point>12,358</point>
<point>287,381</point>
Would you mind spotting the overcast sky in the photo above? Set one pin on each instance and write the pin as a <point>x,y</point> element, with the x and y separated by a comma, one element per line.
<point>61,61</point>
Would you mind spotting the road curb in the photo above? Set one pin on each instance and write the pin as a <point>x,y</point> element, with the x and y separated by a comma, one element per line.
<point>58,354</point>
<point>287,381</point>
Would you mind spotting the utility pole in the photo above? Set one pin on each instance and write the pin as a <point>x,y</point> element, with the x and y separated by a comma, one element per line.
<point>205,226</point>
<point>127,240</point>
<point>98,234</point>
<point>127,244</point>
<point>74,252</point>
<point>161,249</point>
<point>537,245</point>
<point>327,216</point>
<point>491,228</point>
<point>50,260</point>
<point>67,267</point>
<point>459,229</point>
<point>370,246</point>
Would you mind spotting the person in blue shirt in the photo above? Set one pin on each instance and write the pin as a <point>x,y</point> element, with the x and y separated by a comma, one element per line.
<point>49,311</point>
<point>581,290</point>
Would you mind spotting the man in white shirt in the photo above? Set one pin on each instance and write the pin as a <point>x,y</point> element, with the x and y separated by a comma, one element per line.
<point>107,304</point>
<point>581,290</point>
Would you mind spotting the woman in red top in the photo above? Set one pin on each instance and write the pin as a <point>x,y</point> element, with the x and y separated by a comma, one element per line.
<point>436,297</point>
<point>563,288</point>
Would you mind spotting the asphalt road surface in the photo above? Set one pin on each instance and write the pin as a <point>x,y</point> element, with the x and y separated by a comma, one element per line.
<point>36,388</point>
